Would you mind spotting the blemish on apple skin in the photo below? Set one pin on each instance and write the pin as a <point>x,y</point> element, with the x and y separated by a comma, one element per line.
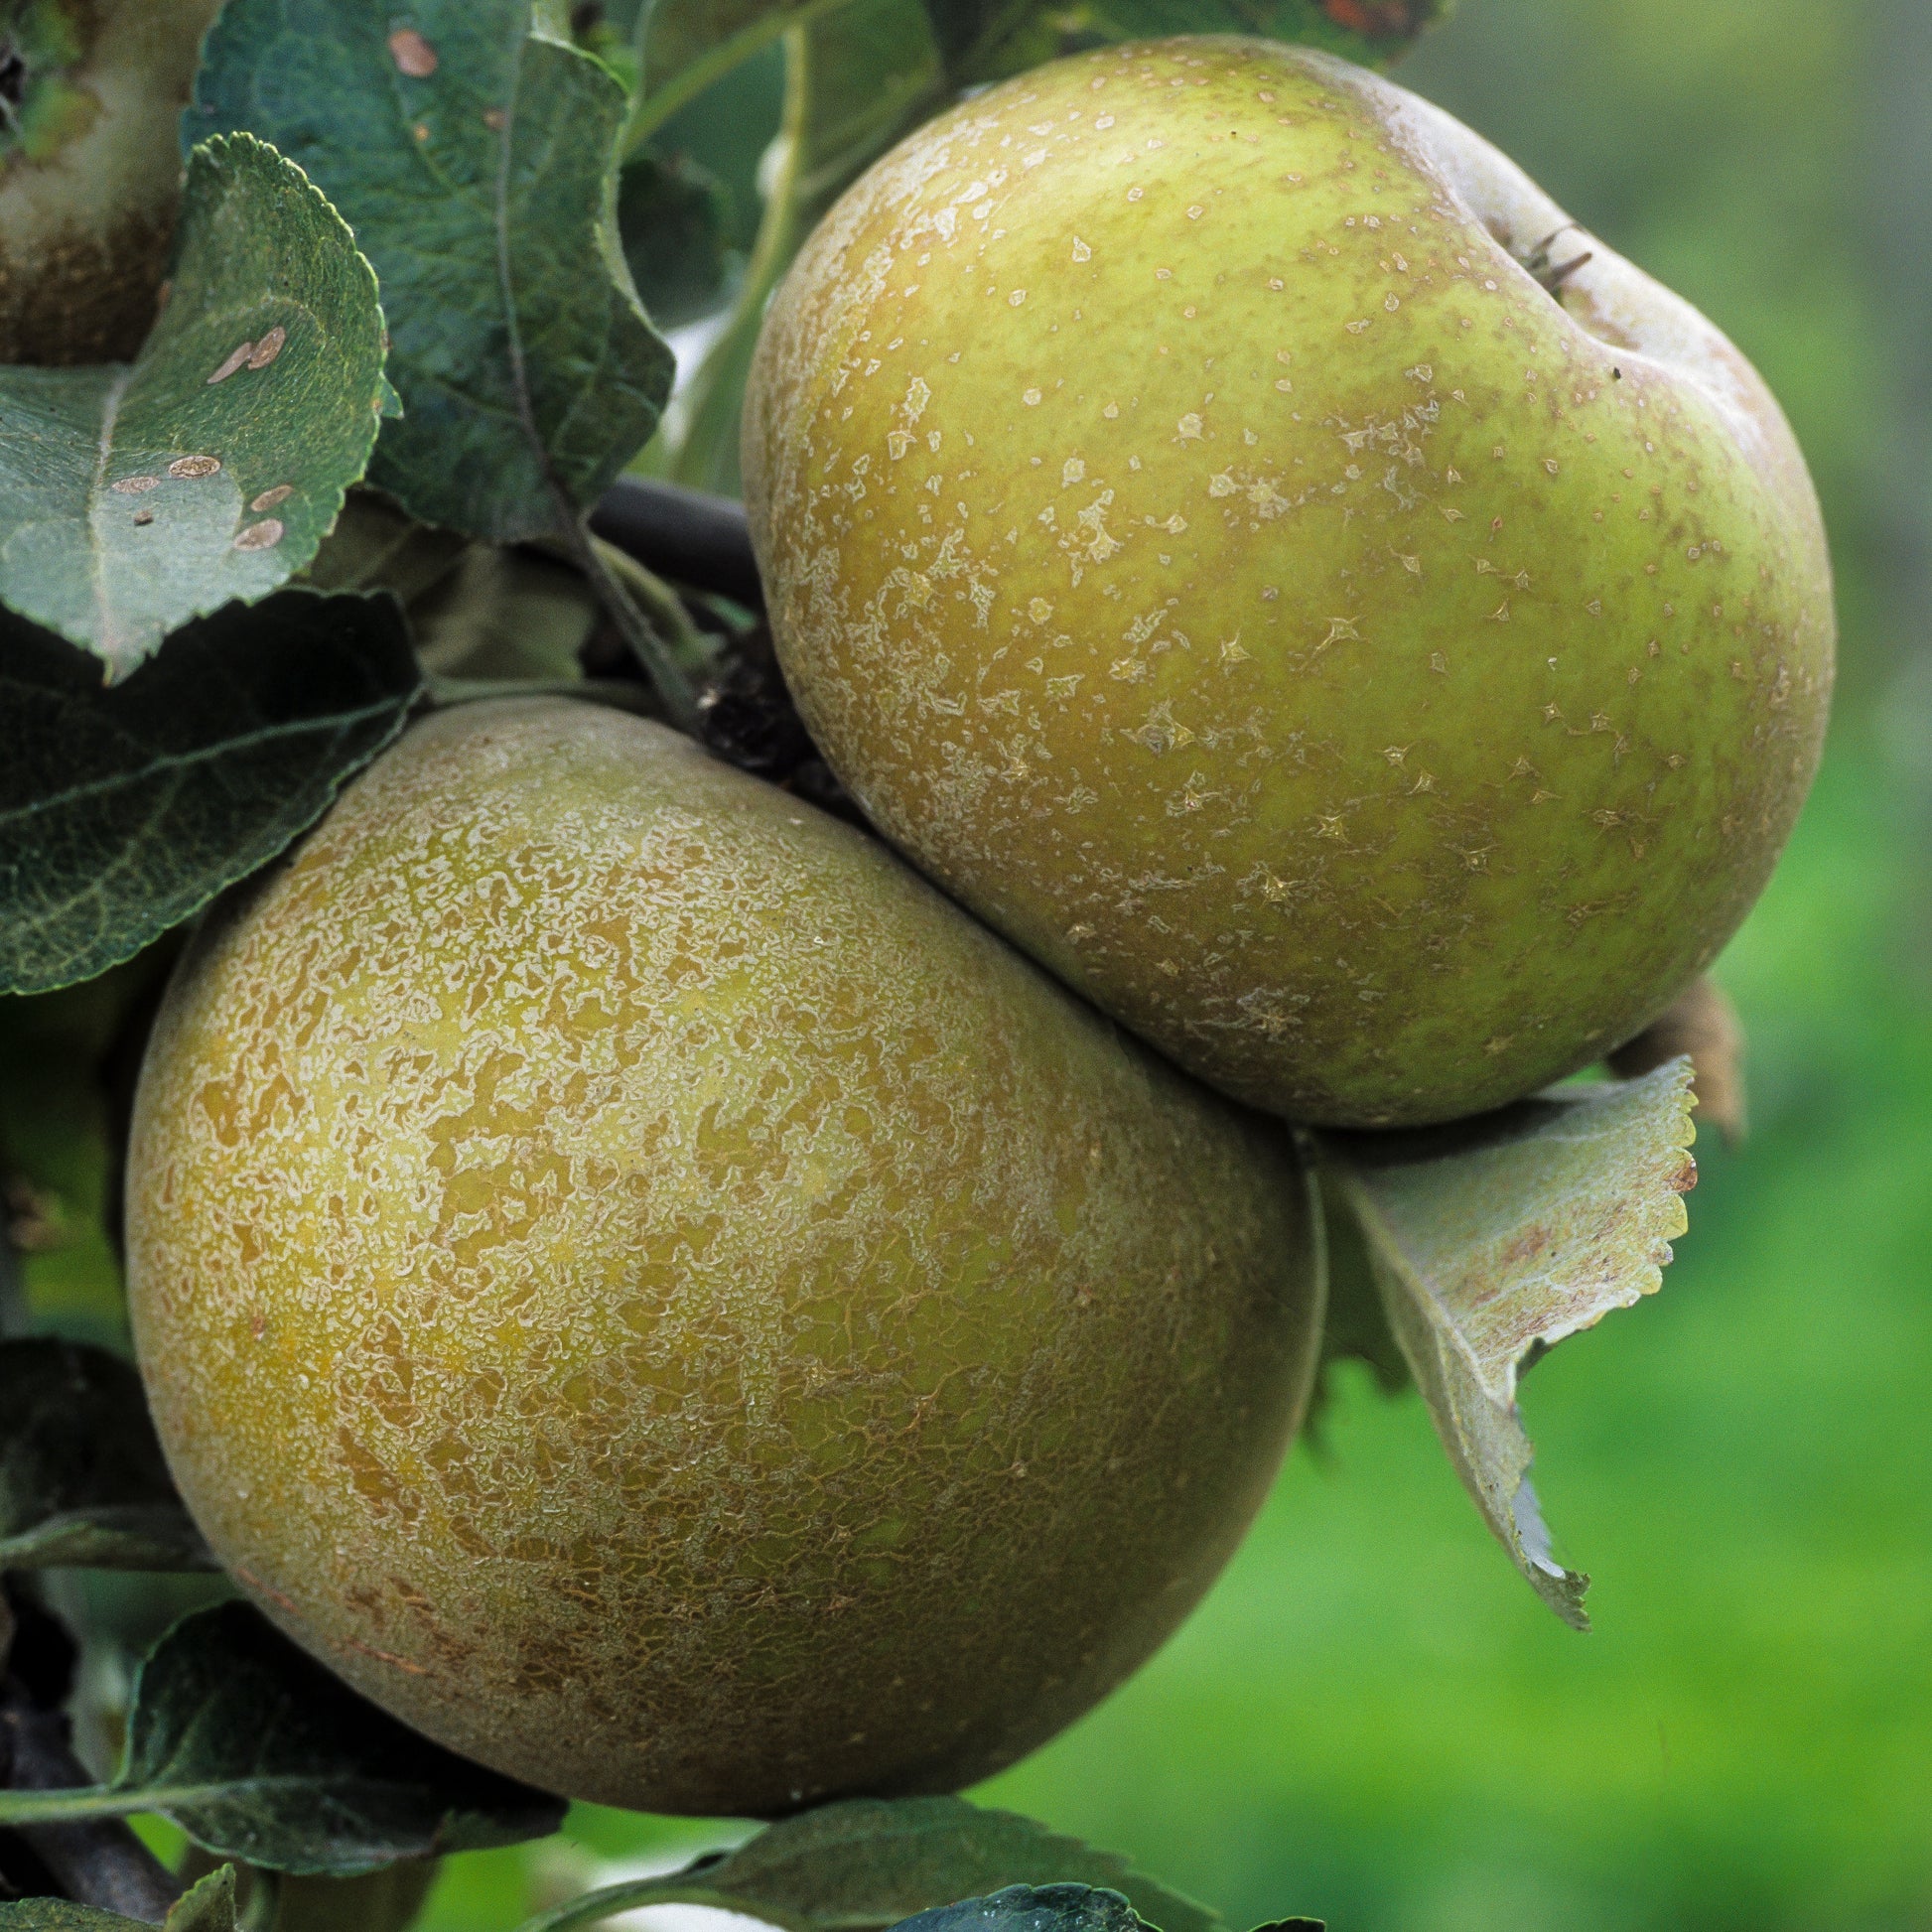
<point>237,358</point>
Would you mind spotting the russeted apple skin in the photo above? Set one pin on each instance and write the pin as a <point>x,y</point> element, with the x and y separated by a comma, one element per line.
<point>85,225</point>
<point>665,1302</point>
<point>1201,543</point>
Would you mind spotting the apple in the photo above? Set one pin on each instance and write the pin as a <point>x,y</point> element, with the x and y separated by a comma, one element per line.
<point>91,99</point>
<point>1239,537</point>
<point>665,1302</point>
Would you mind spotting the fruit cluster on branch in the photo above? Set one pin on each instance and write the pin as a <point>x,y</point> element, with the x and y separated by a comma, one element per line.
<point>731,1140</point>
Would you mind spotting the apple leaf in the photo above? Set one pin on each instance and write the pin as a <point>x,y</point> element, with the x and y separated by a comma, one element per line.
<point>63,1915</point>
<point>133,497</point>
<point>673,218</point>
<point>376,546</point>
<point>1705,1025</point>
<point>83,1483</point>
<point>868,1863</point>
<point>1494,1239</point>
<point>209,1906</point>
<point>988,40</point>
<point>1034,1908</point>
<point>258,1753</point>
<point>123,811</point>
<point>505,614</point>
<point>474,148</point>
<point>206,1907</point>
<point>1056,1908</point>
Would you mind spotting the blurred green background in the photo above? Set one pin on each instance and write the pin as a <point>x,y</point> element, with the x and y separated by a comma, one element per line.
<point>1372,1719</point>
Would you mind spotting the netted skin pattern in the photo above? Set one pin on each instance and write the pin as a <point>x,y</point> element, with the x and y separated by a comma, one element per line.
<point>1228,527</point>
<point>658,1298</point>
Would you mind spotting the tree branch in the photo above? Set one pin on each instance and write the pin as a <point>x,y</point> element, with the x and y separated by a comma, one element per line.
<point>682,534</point>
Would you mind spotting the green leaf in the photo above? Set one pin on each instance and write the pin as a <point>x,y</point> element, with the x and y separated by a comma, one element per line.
<point>674,217</point>
<point>135,497</point>
<point>988,40</point>
<point>475,152</point>
<point>1030,1908</point>
<point>59,1915</point>
<point>376,546</point>
<point>507,614</point>
<point>83,1483</point>
<point>207,1906</point>
<point>1495,1238</point>
<point>612,30</point>
<point>124,812</point>
<point>258,1753</point>
<point>868,1863</point>
<point>389,1899</point>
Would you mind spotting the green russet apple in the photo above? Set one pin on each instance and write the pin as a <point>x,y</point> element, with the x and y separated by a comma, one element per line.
<point>668,1305</point>
<point>1232,530</point>
<point>89,169</point>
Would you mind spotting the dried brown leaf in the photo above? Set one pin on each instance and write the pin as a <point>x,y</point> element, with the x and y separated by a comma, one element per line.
<point>1705,1025</point>
<point>1494,1239</point>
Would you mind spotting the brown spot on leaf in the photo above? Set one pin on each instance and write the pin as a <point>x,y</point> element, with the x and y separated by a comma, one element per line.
<point>142,519</point>
<point>135,486</point>
<point>237,358</point>
<point>193,468</point>
<point>268,348</point>
<point>270,499</point>
<point>412,53</point>
<point>265,535</point>
<point>1526,1247</point>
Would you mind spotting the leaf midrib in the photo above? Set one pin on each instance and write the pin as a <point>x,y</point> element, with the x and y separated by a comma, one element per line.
<point>186,760</point>
<point>109,639</point>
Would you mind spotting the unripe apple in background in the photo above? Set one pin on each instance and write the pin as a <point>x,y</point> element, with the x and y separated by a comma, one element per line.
<point>1231,529</point>
<point>89,169</point>
<point>665,1302</point>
